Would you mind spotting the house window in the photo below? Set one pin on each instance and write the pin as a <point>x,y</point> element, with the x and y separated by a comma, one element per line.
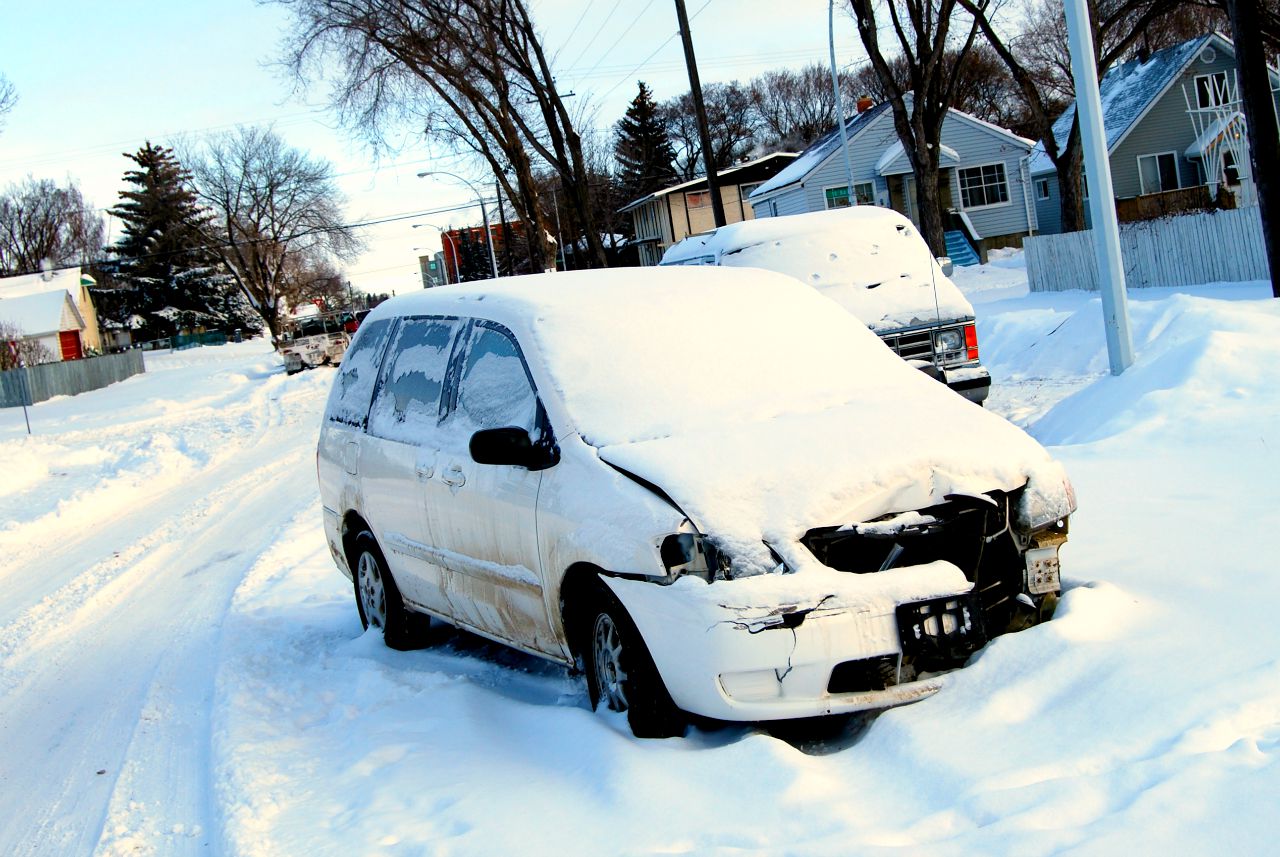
<point>1042,188</point>
<point>698,199</point>
<point>1211,89</point>
<point>837,197</point>
<point>865,193</point>
<point>1158,172</point>
<point>746,190</point>
<point>985,185</point>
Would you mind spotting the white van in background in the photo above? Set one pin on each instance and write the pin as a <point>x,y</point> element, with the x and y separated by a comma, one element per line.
<point>873,262</point>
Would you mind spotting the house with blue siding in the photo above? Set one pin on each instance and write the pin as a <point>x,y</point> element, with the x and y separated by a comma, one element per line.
<point>983,174</point>
<point>1174,131</point>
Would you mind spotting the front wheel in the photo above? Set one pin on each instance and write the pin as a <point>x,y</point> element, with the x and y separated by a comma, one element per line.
<point>378,599</point>
<point>621,673</point>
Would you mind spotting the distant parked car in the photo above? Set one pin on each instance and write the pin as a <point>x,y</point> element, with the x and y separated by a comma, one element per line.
<point>705,487</point>
<point>318,340</point>
<point>873,262</point>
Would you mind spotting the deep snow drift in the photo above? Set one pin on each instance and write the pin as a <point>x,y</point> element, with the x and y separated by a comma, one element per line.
<point>172,620</point>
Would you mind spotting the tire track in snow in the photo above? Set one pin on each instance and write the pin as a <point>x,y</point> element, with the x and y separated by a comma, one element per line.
<point>113,670</point>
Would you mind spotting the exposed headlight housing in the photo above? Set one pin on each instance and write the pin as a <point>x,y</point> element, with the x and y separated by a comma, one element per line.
<point>692,554</point>
<point>951,339</point>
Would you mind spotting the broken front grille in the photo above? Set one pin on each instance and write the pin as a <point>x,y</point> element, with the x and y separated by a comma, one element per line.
<point>917,345</point>
<point>972,533</point>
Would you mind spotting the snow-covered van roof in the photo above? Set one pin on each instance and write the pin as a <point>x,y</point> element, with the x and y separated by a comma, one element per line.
<point>868,259</point>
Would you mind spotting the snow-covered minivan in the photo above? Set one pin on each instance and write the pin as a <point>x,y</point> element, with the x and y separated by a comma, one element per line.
<point>872,262</point>
<point>672,479</point>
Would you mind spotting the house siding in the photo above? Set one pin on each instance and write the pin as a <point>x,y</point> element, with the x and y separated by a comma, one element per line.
<point>1165,128</point>
<point>975,144</point>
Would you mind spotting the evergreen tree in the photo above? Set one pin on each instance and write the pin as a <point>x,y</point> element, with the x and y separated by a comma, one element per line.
<point>171,281</point>
<point>644,152</point>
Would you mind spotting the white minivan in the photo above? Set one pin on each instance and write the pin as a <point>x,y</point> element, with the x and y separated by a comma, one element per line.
<point>714,491</point>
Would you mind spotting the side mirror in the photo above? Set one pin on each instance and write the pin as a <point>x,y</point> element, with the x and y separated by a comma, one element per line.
<point>511,445</point>
<point>944,262</point>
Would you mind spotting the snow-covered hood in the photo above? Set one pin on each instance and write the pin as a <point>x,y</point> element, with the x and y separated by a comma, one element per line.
<point>870,260</point>
<point>773,480</point>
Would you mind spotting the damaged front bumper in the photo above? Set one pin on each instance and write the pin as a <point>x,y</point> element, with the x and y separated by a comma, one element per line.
<point>724,652</point>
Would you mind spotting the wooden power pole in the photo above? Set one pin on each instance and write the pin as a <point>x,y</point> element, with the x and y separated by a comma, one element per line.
<point>695,89</point>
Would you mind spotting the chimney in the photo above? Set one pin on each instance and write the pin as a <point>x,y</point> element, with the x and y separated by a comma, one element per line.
<point>865,103</point>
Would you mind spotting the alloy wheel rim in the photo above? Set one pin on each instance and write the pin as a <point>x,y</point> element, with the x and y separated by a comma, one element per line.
<point>610,675</point>
<point>373,597</point>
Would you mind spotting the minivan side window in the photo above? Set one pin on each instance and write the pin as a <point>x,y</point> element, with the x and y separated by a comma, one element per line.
<point>349,399</point>
<point>407,405</point>
<point>494,389</point>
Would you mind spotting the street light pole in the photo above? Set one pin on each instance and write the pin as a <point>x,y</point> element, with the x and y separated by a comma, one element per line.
<point>484,213</point>
<point>835,85</point>
<point>457,276</point>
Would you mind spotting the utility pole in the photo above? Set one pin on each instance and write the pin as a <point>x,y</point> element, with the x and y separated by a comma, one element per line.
<point>1102,206</point>
<point>1260,116</point>
<point>835,85</point>
<point>695,89</point>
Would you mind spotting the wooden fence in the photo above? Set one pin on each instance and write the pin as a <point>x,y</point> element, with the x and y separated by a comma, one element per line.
<point>1214,247</point>
<point>37,383</point>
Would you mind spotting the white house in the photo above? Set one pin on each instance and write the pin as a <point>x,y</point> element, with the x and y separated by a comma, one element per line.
<point>984,179</point>
<point>69,281</point>
<point>48,318</point>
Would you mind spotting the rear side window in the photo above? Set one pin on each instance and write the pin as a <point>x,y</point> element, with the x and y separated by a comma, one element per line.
<point>407,405</point>
<point>349,398</point>
<point>494,389</point>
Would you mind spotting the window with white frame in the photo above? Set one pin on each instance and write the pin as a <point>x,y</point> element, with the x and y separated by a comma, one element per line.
<point>1158,172</point>
<point>1211,89</point>
<point>865,193</point>
<point>837,197</point>
<point>745,190</point>
<point>1042,188</point>
<point>984,185</point>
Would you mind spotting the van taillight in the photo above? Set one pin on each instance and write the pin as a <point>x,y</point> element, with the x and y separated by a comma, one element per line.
<point>971,341</point>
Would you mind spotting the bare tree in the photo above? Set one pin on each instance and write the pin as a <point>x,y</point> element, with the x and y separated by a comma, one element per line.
<point>43,226</point>
<point>795,107</point>
<point>931,54</point>
<point>474,72</point>
<point>731,118</point>
<point>273,207</point>
<point>30,351</point>
<point>8,98</point>
<point>1040,63</point>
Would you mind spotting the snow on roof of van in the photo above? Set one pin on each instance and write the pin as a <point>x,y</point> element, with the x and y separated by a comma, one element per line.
<point>870,260</point>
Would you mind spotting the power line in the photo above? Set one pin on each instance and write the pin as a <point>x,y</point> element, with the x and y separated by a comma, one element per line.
<point>591,41</point>
<point>609,50</point>
<point>642,62</point>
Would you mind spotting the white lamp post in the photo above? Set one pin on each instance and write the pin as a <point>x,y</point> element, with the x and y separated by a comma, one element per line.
<point>445,236</point>
<point>484,212</point>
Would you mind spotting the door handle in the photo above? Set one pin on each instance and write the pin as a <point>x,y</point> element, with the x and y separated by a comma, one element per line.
<point>454,477</point>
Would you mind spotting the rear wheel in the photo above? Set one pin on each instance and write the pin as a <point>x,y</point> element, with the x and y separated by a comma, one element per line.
<point>621,674</point>
<point>378,599</point>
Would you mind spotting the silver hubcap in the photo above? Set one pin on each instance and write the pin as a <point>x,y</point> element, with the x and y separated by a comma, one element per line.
<point>606,645</point>
<point>373,598</point>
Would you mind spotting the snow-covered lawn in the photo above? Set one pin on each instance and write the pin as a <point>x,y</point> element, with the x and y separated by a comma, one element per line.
<point>182,668</point>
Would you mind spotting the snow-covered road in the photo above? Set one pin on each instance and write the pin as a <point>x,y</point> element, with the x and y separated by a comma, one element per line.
<point>136,527</point>
<point>182,669</point>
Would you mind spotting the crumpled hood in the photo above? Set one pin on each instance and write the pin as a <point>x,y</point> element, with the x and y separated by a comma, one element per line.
<point>773,480</point>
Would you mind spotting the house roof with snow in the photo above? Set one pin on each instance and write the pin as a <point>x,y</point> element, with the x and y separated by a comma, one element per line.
<point>41,314</point>
<point>1129,91</point>
<point>67,279</point>
<point>702,180</point>
<point>893,161</point>
<point>819,151</point>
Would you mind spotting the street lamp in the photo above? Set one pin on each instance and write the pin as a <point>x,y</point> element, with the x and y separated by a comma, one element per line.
<point>484,212</point>
<point>457,277</point>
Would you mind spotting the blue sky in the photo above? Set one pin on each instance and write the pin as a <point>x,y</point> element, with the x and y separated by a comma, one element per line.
<point>97,79</point>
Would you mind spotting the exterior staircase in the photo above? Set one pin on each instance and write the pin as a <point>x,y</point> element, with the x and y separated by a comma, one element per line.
<point>959,248</point>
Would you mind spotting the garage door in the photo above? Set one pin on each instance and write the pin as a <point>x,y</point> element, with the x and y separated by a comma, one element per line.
<point>70,342</point>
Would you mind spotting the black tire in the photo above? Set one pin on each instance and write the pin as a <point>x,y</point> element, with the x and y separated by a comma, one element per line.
<point>621,673</point>
<point>378,598</point>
